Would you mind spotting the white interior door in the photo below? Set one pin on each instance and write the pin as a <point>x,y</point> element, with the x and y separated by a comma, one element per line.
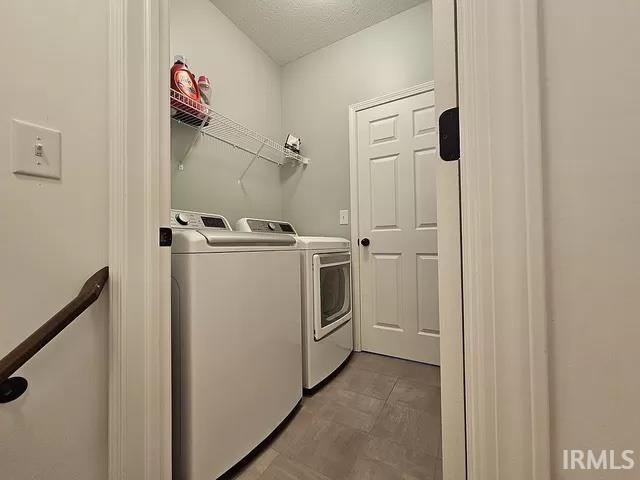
<point>397,211</point>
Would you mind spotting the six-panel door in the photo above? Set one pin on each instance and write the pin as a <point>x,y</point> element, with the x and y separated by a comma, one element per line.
<point>397,212</point>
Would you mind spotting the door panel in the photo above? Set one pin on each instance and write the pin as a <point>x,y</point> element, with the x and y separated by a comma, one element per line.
<point>397,165</point>
<point>387,279</point>
<point>384,192</point>
<point>384,130</point>
<point>424,121</point>
<point>427,272</point>
<point>425,164</point>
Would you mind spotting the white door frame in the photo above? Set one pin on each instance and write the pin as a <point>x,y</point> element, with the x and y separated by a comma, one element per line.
<point>505,314</point>
<point>505,318</point>
<point>353,183</point>
<point>139,334</point>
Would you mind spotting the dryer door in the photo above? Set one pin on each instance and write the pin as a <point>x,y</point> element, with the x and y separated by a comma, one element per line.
<point>331,292</point>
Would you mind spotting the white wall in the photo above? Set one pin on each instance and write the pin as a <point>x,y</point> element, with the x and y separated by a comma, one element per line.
<point>591,108</point>
<point>246,88</point>
<point>53,236</point>
<point>317,90</point>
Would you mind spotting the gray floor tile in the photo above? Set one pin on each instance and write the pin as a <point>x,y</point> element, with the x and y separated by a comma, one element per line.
<point>329,448</point>
<point>257,466</point>
<point>422,372</point>
<point>377,363</point>
<point>386,460</point>
<point>416,394</point>
<point>379,419</point>
<point>346,407</point>
<point>409,427</point>
<point>368,469</point>
<point>365,382</point>
<point>293,431</point>
<point>396,367</point>
<point>284,468</point>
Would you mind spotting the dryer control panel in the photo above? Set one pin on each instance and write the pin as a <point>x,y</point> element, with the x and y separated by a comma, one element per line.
<point>198,220</point>
<point>264,226</point>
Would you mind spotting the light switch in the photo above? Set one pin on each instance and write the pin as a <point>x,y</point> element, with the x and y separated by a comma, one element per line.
<point>36,150</point>
<point>344,217</point>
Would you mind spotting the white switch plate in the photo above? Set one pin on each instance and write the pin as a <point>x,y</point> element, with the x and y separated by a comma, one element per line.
<point>36,150</point>
<point>344,217</point>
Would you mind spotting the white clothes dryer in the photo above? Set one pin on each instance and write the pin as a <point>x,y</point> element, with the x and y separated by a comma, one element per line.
<point>327,327</point>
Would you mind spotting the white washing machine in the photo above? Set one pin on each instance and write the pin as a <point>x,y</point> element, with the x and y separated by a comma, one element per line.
<point>236,338</point>
<point>327,330</point>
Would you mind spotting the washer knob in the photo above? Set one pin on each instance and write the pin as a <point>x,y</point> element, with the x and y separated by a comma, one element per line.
<point>182,219</point>
<point>272,226</point>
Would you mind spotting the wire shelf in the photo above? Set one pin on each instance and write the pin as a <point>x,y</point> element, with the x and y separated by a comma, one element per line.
<point>215,125</point>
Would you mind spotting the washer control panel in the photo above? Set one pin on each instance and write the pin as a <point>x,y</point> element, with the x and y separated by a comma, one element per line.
<point>264,226</point>
<point>196,220</point>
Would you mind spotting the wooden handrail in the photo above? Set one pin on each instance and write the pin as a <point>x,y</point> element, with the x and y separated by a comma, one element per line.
<point>12,388</point>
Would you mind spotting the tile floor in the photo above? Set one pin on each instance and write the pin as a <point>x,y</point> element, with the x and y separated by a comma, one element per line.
<point>378,419</point>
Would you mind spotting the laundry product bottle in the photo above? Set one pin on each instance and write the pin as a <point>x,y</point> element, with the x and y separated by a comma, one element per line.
<point>187,102</point>
<point>205,89</point>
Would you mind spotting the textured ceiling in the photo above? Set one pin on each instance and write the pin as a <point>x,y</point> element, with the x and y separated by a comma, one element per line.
<point>289,29</point>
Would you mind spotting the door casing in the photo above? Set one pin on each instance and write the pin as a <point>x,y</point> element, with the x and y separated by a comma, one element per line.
<point>139,285</point>
<point>503,254</point>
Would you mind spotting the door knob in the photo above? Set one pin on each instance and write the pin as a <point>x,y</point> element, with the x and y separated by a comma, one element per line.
<point>365,242</point>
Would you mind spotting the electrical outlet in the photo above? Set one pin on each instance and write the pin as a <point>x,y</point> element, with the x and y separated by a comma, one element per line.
<point>344,217</point>
<point>36,150</point>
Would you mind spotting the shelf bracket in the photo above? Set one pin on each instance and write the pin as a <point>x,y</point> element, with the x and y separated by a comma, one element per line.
<point>187,151</point>
<point>255,156</point>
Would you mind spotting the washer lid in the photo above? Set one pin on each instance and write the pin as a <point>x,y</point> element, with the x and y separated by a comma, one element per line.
<point>211,240</point>
<point>323,243</point>
<point>217,238</point>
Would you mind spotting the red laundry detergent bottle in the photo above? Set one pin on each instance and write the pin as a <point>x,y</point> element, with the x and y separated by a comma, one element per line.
<point>185,98</point>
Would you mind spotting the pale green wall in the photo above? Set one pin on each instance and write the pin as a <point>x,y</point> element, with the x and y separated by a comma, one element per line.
<point>317,91</point>
<point>309,97</point>
<point>246,87</point>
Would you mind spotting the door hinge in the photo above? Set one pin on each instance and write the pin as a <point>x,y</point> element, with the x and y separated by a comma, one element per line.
<point>449,124</point>
<point>166,237</point>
